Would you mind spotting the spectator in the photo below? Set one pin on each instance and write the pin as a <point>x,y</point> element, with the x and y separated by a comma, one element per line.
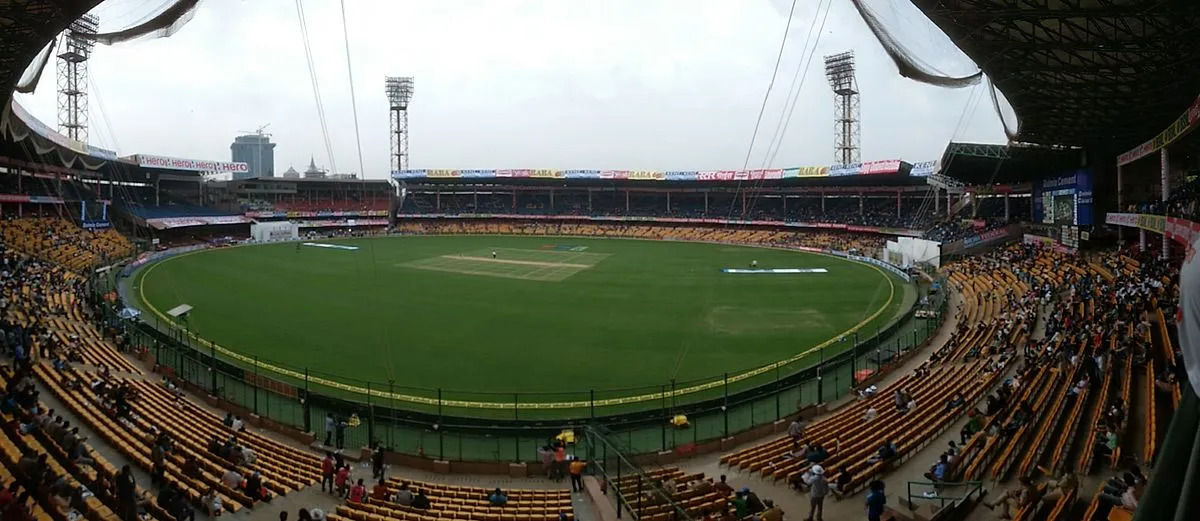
<point>1025,495</point>
<point>342,481</point>
<point>1129,499</point>
<point>329,423</point>
<point>404,496</point>
<point>380,491</point>
<point>1064,486</point>
<point>497,498</point>
<point>723,487</point>
<point>211,503</point>
<point>876,500</point>
<point>358,493</point>
<point>421,501</point>
<point>818,489</point>
<point>576,470</point>
<point>795,431</point>
<point>841,487</point>
<point>974,424</point>
<point>937,473</point>
<point>377,461</point>
<point>127,494</point>
<point>773,512</point>
<point>327,472</point>
<point>232,479</point>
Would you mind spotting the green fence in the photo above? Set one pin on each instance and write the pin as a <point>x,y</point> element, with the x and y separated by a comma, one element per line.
<point>439,430</point>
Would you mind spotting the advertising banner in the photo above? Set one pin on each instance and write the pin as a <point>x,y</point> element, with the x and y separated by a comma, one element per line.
<point>680,176</point>
<point>582,174</point>
<point>715,175</point>
<point>1185,123</point>
<point>805,171</point>
<point>1152,223</point>
<point>845,170</point>
<point>924,168</point>
<point>646,175</point>
<point>887,166</point>
<point>1179,230</point>
<point>604,218</point>
<point>1122,219</point>
<point>193,165</point>
<point>166,223</point>
<point>987,236</point>
<point>990,236</point>
<point>34,199</point>
<point>758,175</point>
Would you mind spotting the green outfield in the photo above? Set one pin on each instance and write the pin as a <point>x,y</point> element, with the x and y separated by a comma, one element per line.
<point>548,317</point>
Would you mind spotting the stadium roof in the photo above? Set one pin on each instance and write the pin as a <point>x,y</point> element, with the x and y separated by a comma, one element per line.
<point>980,164</point>
<point>27,26</point>
<point>1106,74</point>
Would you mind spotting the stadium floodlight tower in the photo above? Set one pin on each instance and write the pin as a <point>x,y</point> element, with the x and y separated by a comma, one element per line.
<point>399,92</point>
<point>74,49</point>
<point>839,69</point>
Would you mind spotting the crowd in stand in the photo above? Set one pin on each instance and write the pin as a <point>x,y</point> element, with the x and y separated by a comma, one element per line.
<point>1121,291</point>
<point>866,244</point>
<point>57,470</point>
<point>56,240</point>
<point>914,213</point>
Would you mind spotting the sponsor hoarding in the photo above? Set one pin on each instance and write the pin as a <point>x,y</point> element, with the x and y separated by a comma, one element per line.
<point>193,165</point>
<point>1185,123</point>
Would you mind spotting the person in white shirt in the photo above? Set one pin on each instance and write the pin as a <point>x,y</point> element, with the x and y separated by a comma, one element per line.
<point>232,479</point>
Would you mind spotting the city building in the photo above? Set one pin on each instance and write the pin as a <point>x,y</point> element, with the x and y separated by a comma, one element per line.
<point>291,173</point>
<point>257,151</point>
<point>312,172</point>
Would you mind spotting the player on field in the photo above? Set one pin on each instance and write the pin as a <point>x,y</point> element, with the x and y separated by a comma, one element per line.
<point>754,263</point>
<point>493,254</point>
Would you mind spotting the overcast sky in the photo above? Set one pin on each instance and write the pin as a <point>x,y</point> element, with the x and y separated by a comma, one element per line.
<point>621,84</point>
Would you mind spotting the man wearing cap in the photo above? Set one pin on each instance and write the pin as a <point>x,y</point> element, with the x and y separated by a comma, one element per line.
<point>818,489</point>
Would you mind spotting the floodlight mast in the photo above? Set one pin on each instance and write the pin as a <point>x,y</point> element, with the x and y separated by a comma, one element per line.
<point>399,90</point>
<point>75,48</point>
<point>839,69</point>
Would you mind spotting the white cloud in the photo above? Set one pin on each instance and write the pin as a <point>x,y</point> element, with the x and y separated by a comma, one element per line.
<point>638,84</point>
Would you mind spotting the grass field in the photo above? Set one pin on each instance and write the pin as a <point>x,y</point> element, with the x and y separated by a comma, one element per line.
<point>543,315</point>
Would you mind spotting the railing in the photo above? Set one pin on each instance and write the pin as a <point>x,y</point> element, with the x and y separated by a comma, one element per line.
<point>632,488</point>
<point>938,491</point>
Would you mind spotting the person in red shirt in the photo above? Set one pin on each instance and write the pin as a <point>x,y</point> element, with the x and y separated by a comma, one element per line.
<point>343,480</point>
<point>18,510</point>
<point>380,491</point>
<point>6,495</point>
<point>327,471</point>
<point>358,493</point>
<point>560,463</point>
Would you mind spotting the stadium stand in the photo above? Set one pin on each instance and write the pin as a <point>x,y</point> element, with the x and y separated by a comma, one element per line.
<point>56,240</point>
<point>462,502</point>
<point>841,241</point>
